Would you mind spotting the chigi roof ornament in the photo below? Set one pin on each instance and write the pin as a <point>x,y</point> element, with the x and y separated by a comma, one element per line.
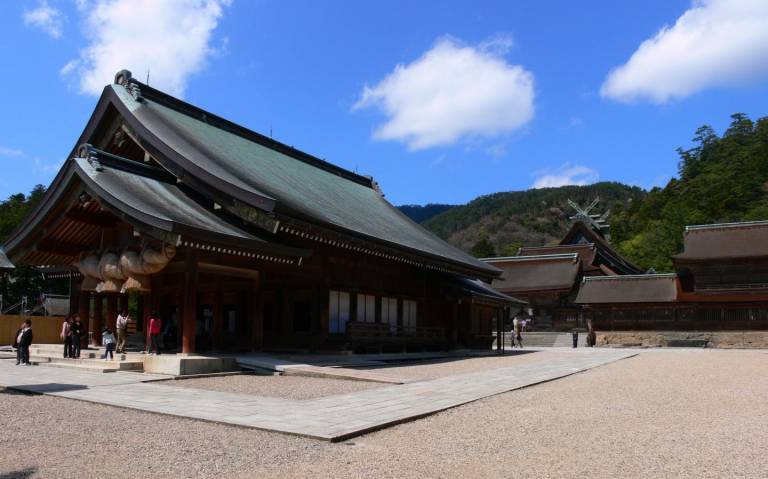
<point>124,77</point>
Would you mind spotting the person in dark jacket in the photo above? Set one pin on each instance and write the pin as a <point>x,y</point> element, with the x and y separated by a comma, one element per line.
<point>22,342</point>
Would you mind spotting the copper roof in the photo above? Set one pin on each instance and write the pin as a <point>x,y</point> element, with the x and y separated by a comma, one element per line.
<point>725,241</point>
<point>553,272</point>
<point>644,288</point>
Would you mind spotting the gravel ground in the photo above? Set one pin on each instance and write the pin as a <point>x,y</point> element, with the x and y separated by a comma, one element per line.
<point>286,387</point>
<point>683,414</point>
<point>450,367</point>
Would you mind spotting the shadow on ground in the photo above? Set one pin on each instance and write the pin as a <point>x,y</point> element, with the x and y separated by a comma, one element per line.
<point>420,362</point>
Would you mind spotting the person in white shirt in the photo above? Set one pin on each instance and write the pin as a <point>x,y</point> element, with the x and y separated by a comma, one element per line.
<point>122,330</point>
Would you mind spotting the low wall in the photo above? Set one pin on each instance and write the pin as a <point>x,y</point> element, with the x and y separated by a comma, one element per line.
<point>45,329</point>
<point>660,339</point>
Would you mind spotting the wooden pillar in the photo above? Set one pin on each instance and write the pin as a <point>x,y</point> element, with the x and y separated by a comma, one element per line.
<point>98,312</point>
<point>141,306</point>
<point>257,315</point>
<point>189,311</point>
<point>218,318</point>
<point>83,310</point>
<point>112,311</point>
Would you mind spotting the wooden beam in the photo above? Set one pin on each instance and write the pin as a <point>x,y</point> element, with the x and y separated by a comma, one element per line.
<point>104,220</point>
<point>49,245</point>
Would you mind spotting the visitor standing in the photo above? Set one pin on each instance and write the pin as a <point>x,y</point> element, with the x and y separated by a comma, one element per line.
<point>122,331</point>
<point>518,332</point>
<point>155,328</point>
<point>108,340</point>
<point>575,335</point>
<point>22,342</point>
<point>66,335</point>
<point>76,332</point>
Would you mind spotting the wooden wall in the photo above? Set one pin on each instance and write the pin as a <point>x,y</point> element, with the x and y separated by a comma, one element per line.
<point>45,329</point>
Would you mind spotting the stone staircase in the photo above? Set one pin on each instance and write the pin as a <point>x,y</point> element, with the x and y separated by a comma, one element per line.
<point>89,361</point>
<point>547,340</point>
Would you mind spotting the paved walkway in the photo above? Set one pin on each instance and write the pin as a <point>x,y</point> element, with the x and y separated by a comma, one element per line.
<point>332,418</point>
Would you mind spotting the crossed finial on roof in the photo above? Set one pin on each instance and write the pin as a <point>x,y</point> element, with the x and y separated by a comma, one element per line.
<point>598,222</point>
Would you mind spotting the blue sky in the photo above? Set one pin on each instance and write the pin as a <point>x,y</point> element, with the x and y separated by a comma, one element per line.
<point>439,101</point>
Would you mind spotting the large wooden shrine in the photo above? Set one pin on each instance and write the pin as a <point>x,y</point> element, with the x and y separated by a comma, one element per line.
<point>720,283</point>
<point>241,242</point>
<point>548,277</point>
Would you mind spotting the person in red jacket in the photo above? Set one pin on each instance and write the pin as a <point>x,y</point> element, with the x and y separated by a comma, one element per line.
<point>155,328</point>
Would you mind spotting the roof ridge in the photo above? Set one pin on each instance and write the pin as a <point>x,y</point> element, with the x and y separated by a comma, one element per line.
<point>573,256</point>
<point>153,94</point>
<point>629,276</point>
<point>740,224</point>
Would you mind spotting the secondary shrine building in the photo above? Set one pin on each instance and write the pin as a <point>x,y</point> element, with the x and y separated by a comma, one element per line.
<point>720,283</point>
<point>241,242</point>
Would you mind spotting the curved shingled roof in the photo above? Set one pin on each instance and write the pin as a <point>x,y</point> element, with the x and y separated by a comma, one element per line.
<point>521,274</point>
<point>725,241</point>
<point>275,177</point>
<point>645,288</point>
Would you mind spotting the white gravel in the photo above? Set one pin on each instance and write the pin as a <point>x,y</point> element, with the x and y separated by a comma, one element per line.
<point>286,387</point>
<point>686,414</point>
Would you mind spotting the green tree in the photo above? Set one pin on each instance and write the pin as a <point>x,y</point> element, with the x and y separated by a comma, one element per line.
<point>483,248</point>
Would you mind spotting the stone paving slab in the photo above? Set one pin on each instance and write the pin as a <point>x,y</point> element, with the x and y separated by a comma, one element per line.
<point>332,418</point>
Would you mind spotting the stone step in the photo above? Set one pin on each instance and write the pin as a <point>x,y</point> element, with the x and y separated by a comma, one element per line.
<point>121,365</point>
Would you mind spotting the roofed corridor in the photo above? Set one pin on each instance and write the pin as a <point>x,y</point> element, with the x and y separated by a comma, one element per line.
<point>330,418</point>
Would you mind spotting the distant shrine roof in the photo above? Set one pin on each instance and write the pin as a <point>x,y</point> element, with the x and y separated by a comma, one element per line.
<point>724,241</point>
<point>644,288</point>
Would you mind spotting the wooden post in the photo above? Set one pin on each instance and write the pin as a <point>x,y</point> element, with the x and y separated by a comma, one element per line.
<point>189,311</point>
<point>83,310</point>
<point>257,315</point>
<point>98,312</point>
<point>112,311</point>
<point>218,318</point>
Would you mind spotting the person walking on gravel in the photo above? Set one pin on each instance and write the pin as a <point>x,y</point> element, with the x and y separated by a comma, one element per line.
<point>122,331</point>
<point>518,327</point>
<point>22,342</point>
<point>66,335</point>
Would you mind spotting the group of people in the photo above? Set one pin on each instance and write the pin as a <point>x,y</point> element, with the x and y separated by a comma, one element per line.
<point>71,334</point>
<point>72,331</point>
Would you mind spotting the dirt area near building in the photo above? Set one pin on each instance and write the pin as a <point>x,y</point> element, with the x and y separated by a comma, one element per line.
<point>286,387</point>
<point>684,414</point>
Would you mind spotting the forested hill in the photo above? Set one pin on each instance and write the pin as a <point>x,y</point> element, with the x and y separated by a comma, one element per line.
<point>500,223</point>
<point>721,179</point>
<point>420,214</point>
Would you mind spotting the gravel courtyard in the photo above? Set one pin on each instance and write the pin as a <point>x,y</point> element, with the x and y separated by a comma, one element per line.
<point>660,414</point>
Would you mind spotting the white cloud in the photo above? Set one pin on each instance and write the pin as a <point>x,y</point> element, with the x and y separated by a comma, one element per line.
<point>171,39</point>
<point>454,91</point>
<point>714,43</point>
<point>46,18</point>
<point>566,174</point>
<point>5,151</point>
